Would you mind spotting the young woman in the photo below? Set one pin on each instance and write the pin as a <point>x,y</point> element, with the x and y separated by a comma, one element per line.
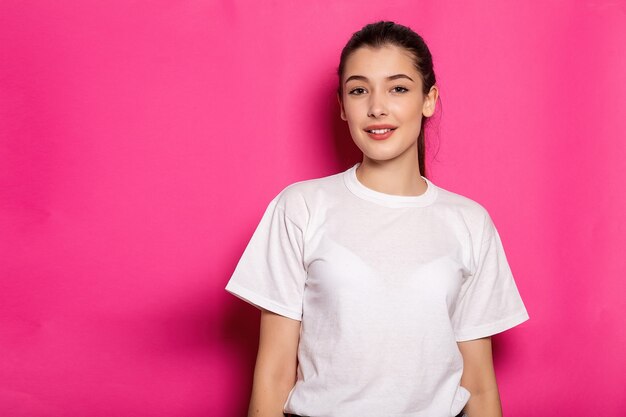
<point>379,290</point>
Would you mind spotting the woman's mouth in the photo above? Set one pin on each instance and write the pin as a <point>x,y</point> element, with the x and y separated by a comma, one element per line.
<point>380,133</point>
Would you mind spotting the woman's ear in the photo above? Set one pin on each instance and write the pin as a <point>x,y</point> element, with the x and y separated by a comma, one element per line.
<point>430,101</point>
<point>342,111</point>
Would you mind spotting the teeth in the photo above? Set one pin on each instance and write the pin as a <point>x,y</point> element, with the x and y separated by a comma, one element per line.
<point>380,131</point>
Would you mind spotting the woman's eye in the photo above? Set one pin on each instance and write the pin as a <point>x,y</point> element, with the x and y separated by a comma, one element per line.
<point>357,91</point>
<point>400,89</point>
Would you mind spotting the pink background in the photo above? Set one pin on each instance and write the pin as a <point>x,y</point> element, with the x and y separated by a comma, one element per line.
<point>141,142</point>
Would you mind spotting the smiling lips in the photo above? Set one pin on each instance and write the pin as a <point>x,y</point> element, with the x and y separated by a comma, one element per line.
<point>380,132</point>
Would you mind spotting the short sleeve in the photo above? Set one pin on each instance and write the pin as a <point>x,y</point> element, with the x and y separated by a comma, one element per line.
<point>489,301</point>
<point>270,273</point>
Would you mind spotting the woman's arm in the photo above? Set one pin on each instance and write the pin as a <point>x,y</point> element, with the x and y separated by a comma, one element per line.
<point>276,364</point>
<point>479,378</point>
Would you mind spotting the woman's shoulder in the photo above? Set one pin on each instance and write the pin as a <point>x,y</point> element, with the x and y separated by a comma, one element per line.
<point>303,189</point>
<point>468,208</point>
<point>296,197</point>
<point>458,199</point>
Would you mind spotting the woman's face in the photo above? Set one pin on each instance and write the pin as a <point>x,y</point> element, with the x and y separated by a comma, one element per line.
<point>383,103</point>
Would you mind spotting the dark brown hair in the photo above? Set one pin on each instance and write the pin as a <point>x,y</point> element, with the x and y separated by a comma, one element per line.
<point>379,34</point>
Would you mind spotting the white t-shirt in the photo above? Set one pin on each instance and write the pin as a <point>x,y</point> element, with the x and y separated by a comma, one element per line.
<point>384,286</point>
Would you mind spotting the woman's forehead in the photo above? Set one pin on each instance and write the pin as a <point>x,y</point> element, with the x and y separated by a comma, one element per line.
<point>382,61</point>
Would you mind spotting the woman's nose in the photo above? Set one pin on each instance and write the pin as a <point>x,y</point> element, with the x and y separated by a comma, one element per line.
<point>377,105</point>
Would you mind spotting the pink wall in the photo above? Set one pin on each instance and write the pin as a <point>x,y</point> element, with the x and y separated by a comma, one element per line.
<point>140,144</point>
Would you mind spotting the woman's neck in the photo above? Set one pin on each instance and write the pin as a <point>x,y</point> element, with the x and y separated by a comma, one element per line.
<point>394,177</point>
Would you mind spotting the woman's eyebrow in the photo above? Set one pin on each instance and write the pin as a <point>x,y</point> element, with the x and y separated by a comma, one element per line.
<point>390,78</point>
<point>395,77</point>
<point>356,77</point>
